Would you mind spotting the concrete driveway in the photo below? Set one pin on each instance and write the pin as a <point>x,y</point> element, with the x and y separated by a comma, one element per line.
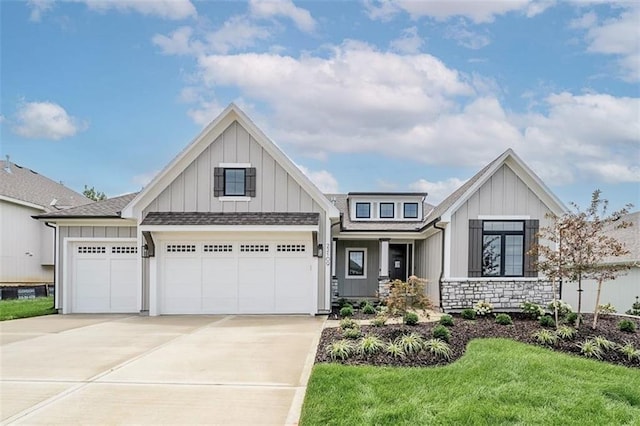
<point>114,369</point>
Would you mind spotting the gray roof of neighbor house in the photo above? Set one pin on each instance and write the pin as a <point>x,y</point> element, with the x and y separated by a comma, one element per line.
<point>630,237</point>
<point>24,184</point>
<point>108,208</point>
<point>245,218</point>
<point>383,226</point>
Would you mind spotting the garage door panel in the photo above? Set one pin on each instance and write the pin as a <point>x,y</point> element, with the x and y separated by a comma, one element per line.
<point>293,286</point>
<point>219,285</point>
<point>124,289</point>
<point>91,289</point>
<point>256,285</point>
<point>183,286</point>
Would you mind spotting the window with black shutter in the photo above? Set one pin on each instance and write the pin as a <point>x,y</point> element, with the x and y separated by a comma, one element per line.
<point>234,182</point>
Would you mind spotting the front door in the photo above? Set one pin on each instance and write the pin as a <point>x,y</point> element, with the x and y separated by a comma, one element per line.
<point>398,262</point>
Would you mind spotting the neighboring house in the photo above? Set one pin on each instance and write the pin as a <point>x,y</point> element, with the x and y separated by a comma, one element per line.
<point>622,291</point>
<point>26,245</point>
<point>231,225</point>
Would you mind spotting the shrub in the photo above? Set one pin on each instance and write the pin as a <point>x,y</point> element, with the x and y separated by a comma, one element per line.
<point>483,308</point>
<point>368,309</point>
<point>571,318</point>
<point>346,311</point>
<point>348,323</point>
<point>441,332</point>
<point>606,309</point>
<point>603,343</point>
<point>438,348</point>
<point>446,320</point>
<point>504,319</point>
<point>635,308</point>
<point>342,302</point>
<point>351,333</point>
<point>410,318</point>
<point>545,337</point>
<point>370,344</point>
<point>547,321</point>
<point>407,295</point>
<point>563,307</point>
<point>590,349</point>
<point>395,350</point>
<point>468,314</point>
<point>363,303</point>
<point>532,310</point>
<point>629,351</point>
<point>411,343</point>
<point>379,320</point>
<point>341,349</point>
<point>627,326</point>
<point>566,333</point>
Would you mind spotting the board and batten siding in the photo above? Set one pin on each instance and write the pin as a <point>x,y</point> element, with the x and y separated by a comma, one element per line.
<point>428,259</point>
<point>504,194</point>
<point>65,232</point>
<point>358,287</point>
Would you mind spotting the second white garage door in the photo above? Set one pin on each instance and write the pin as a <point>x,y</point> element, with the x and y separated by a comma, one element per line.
<point>228,277</point>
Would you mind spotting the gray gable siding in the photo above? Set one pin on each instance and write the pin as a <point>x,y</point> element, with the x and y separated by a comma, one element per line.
<point>504,194</point>
<point>428,258</point>
<point>192,190</point>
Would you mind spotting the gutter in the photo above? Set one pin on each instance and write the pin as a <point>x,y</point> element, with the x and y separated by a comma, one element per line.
<point>55,263</point>
<point>435,225</point>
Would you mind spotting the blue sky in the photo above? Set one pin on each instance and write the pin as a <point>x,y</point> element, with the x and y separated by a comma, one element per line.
<point>364,96</point>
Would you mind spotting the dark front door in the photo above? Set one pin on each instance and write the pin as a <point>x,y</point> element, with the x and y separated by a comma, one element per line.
<point>398,262</point>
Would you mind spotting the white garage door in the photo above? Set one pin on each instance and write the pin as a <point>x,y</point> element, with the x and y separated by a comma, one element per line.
<point>104,277</point>
<point>229,277</point>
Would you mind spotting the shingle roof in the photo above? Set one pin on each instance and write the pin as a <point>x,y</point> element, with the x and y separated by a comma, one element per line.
<point>23,184</point>
<point>200,218</point>
<point>347,225</point>
<point>110,207</point>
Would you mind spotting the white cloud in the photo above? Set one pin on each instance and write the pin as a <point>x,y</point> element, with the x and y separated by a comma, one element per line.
<point>408,42</point>
<point>45,120</point>
<point>324,180</point>
<point>618,36</point>
<point>143,179</point>
<point>178,42</point>
<point>466,37</point>
<point>167,9</point>
<point>476,11</point>
<point>38,8</point>
<point>437,191</point>
<point>272,8</point>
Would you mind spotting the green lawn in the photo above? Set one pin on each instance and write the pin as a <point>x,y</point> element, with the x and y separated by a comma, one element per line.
<point>24,308</point>
<point>496,382</point>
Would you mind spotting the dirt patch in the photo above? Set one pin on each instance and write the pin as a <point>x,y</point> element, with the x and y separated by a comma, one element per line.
<point>483,327</point>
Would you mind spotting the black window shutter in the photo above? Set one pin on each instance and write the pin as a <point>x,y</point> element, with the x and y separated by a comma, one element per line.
<point>475,248</point>
<point>530,239</point>
<point>250,182</point>
<point>218,181</point>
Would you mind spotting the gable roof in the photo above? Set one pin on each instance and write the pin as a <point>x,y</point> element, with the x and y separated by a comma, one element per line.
<point>109,208</point>
<point>449,205</point>
<point>201,142</point>
<point>27,187</point>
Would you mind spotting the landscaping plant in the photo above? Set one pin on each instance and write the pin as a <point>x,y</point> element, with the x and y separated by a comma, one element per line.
<point>368,309</point>
<point>395,350</point>
<point>438,348</point>
<point>351,333</point>
<point>346,311</point>
<point>606,309</point>
<point>441,332</point>
<point>604,344</point>
<point>547,321</point>
<point>410,318</point>
<point>546,337</point>
<point>532,309</point>
<point>446,320</point>
<point>635,308</point>
<point>627,326</point>
<point>566,333</point>
<point>483,308</point>
<point>341,349</point>
<point>590,348</point>
<point>348,323</point>
<point>629,351</point>
<point>409,295</point>
<point>504,319</point>
<point>379,320</point>
<point>468,314</point>
<point>370,344</point>
<point>411,343</point>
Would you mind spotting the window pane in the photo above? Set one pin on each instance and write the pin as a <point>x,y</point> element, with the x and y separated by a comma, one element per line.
<point>513,247</point>
<point>363,210</point>
<point>386,210</point>
<point>411,210</point>
<point>234,182</point>
<point>491,255</point>
<point>502,226</point>
<point>356,262</point>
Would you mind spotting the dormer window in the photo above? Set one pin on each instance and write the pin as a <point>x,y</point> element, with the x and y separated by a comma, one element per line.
<point>363,210</point>
<point>387,210</point>
<point>234,182</point>
<point>410,210</point>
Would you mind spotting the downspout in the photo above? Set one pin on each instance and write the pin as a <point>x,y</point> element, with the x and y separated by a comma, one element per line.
<point>435,225</point>
<point>55,265</point>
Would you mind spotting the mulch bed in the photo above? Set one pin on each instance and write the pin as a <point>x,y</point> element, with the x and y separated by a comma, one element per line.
<point>482,327</point>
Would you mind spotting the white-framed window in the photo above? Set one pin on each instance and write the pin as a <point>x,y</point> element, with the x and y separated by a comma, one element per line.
<point>410,210</point>
<point>234,182</point>
<point>363,210</point>
<point>356,263</point>
<point>387,210</point>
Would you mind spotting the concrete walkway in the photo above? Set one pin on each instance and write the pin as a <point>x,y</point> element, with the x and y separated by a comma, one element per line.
<point>117,369</point>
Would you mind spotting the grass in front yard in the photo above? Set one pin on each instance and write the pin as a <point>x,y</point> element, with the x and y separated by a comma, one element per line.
<point>497,381</point>
<point>25,308</point>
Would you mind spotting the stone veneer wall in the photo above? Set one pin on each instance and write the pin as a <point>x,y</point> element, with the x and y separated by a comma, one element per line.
<point>502,294</point>
<point>384,287</point>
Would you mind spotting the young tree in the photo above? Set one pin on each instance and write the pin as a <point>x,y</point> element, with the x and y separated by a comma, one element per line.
<point>92,194</point>
<point>582,247</point>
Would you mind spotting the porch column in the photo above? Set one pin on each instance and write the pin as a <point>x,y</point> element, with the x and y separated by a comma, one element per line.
<point>384,258</point>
